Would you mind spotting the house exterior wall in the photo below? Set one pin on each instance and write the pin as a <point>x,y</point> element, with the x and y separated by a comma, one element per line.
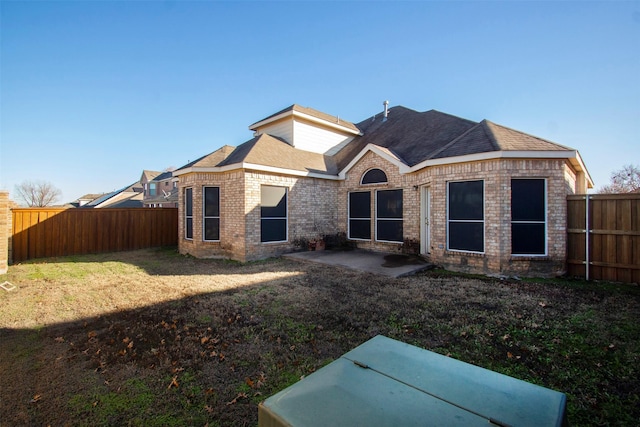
<point>311,209</point>
<point>394,181</point>
<point>497,175</point>
<point>232,215</point>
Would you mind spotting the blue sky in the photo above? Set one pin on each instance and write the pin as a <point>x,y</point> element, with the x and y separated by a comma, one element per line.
<point>92,93</point>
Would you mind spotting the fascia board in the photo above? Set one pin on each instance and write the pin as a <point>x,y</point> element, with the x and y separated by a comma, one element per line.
<point>256,167</point>
<point>376,150</point>
<point>492,155</point>
<point>304,116</point>
<point>325,123</point>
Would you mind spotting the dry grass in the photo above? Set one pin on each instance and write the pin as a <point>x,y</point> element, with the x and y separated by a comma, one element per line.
<point>154,338</point>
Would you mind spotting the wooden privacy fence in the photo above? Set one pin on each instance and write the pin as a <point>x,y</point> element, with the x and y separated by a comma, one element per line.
<point>603,232</point>
<point>49,232</point>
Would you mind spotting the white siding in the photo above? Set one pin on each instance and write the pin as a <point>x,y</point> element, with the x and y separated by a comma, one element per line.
<point>312,138</point>
<point>281,129</point>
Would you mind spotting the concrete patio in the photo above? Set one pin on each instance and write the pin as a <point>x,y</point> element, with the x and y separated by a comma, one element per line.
<point>391,265</point>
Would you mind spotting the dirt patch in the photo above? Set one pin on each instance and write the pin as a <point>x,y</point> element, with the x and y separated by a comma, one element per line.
<point>155,338</point>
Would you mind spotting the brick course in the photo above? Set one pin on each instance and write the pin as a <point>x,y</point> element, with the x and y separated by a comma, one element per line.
<point>319,206</point>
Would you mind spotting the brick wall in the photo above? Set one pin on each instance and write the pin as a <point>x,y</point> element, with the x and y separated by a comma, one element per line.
<point>5,225</point>
<point>497,175</point>
<point>232,213</point>
<point>317,207</point>
<point>311,213</point>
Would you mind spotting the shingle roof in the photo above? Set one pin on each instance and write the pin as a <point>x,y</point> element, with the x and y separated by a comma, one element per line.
<point>163,176</point>
<point>149,175</point>
<point>310,112</point>
<point>418,136</point>
<point>211,159</point>
<point>410,136</point>
<point>271,151</point>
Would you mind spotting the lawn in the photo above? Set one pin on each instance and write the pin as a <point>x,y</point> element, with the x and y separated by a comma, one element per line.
<point>151,337</point>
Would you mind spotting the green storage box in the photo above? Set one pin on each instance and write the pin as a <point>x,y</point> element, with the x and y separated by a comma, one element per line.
<point>384,382</point>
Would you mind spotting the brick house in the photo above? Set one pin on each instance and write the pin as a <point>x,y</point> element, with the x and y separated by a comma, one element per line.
<point>160,189</point>
<point>469,196</point>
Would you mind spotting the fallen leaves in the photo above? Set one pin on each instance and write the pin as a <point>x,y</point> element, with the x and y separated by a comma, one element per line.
<point>174,383</point>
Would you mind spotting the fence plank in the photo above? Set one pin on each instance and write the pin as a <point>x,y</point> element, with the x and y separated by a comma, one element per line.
<point>48,232</point>
<point>614,237</point>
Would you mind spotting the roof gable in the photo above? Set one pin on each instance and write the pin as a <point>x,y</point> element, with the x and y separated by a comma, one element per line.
<point>309,113</point>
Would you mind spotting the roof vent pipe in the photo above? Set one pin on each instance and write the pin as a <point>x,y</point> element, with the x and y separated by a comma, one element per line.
<point>386,110</point>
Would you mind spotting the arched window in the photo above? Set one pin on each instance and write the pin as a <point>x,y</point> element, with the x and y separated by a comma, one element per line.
<point>374,176</point>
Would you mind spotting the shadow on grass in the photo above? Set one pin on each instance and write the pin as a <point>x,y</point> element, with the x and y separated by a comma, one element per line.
<point>210,357</point>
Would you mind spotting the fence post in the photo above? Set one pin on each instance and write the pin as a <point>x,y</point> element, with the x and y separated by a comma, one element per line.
<point>4,231</point>
<point>587,230</point>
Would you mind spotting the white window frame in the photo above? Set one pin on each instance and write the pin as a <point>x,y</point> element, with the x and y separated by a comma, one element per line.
<point>186,216</point>
<point>204,210</point>
<point>401,219</point>
<point>484,216</point>
<point>546,220</point>
<point>286,217</point>
<point>349,218</point>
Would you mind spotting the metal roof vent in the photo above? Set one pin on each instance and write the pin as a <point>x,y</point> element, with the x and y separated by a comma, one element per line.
<point>386,110</point>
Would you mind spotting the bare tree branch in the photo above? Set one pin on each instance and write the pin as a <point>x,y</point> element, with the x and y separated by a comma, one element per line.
<point>37,193</point>
<point>625,180</point>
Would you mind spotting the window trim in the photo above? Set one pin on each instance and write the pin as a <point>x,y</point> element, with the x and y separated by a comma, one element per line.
<point>286,217</point>
<point>205,217</point>
<point>186,216</point>
<point>377,218</point>
<point>349,218</point>
<point>483,221</point>
<point>386,178</point>
<point>545,222</point>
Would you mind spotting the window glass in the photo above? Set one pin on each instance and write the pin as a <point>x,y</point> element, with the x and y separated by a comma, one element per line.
<point>527,199</point>
<point>528,217</point>
<point>374,176</point>
<point>466,200</point>
<point>389,216</point>
<point>152,189</point>
<point>211,220</point>
<point>273,214</point>
<point>188,209</point>
<point>465,210</point>
<point>360,215</point>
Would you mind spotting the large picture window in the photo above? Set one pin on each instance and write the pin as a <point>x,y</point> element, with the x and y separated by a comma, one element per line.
<point>528,217</point>
<point>465,216</point>
<point>188,213</point>
<point>211,213</point>
<point>273,214</point>
<point>389,215</point>
<point>360,215</point>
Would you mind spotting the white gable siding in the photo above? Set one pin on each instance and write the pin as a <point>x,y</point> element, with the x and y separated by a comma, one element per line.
<point>281,129</point>
<point>312,138</point>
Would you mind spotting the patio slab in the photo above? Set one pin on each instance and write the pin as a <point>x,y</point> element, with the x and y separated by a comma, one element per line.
<point>391,265</point>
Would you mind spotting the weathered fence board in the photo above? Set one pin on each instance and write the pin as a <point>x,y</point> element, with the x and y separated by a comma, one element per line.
<point>603,237</point>
<point>49,232</point>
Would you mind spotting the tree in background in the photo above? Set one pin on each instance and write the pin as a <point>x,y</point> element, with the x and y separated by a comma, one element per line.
<point>625,180</point>
<point>37,193</point>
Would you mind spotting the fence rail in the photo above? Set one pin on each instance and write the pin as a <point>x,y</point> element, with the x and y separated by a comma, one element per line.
<point>49,232</point>
<point>603,237</point>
